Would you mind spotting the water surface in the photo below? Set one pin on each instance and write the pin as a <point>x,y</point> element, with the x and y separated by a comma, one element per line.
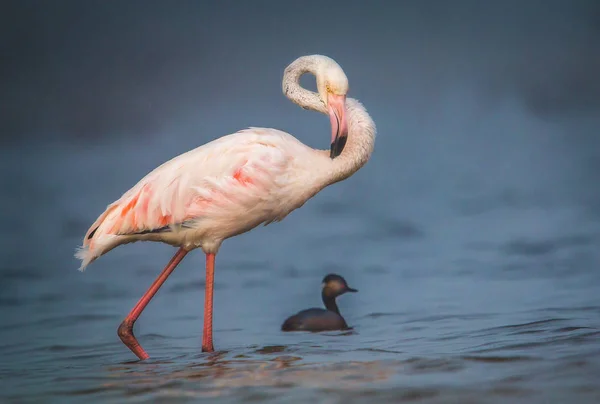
<point>462,297</point>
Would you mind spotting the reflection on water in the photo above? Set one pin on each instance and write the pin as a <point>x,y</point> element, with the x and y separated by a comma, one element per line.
<point>270,372</point>
<point>498,305</point>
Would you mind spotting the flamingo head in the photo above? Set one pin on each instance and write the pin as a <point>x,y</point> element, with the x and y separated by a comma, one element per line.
<point>332,85</point>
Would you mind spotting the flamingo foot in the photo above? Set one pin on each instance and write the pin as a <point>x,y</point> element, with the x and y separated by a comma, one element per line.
<point>125,332</point>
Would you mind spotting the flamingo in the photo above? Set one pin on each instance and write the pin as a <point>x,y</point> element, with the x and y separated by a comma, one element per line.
<point>233,184</point>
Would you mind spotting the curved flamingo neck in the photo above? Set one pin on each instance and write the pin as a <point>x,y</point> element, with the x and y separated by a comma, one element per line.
<point>359,146</point>
<point>295,92</point>
<point>361,128</point>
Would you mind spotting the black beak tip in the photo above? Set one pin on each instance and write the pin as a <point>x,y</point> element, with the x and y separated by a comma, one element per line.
<point>333,151</point>
<point>337,146</point>
<point>352,290</point>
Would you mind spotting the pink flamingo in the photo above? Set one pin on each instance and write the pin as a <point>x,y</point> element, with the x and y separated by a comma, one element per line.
<point>233,184</point>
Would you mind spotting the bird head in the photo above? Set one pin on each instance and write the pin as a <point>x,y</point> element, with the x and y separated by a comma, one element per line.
<point>334,285</point>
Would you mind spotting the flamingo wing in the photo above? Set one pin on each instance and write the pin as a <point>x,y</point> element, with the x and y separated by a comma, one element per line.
<point>217,181</point>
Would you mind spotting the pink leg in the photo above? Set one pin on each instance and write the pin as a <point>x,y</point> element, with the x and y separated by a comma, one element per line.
<point>207,334</point>
<point>125,330</point>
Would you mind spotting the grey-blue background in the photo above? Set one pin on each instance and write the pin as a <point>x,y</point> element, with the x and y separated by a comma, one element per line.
<point>471,234</point>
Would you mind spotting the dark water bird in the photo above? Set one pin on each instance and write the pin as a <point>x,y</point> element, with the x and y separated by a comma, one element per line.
<point>316,319</point>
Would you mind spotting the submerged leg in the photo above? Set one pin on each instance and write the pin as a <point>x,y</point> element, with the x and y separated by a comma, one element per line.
<point>125,330</point>
<point>207,334</point>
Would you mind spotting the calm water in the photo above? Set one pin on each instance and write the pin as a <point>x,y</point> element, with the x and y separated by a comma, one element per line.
<point>463,296</point>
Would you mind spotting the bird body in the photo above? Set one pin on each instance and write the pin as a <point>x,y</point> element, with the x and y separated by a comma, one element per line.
<point>216,191</point>
<point>235,183</point>
<point>314,320</point>
<point>317,319</point>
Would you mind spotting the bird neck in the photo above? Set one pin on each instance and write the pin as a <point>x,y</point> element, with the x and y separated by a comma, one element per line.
<point>329,302</point>
<point>293,90</point>
<point>359,146</point>
<point>361,128</point>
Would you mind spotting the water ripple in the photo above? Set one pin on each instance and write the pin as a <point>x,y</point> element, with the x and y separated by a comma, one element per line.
<point>498,359</point>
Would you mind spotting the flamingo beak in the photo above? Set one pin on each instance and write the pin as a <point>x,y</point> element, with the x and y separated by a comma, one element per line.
<point>336,105</point>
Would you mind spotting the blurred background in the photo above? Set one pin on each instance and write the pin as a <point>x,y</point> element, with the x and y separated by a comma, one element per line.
<point>471,234</point>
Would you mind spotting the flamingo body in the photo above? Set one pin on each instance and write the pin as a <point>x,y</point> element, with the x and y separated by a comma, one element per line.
<point>221,189</point>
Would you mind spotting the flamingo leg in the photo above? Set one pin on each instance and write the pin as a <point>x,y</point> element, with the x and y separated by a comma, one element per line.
<point>125,330</point>
<point>207,334</point>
